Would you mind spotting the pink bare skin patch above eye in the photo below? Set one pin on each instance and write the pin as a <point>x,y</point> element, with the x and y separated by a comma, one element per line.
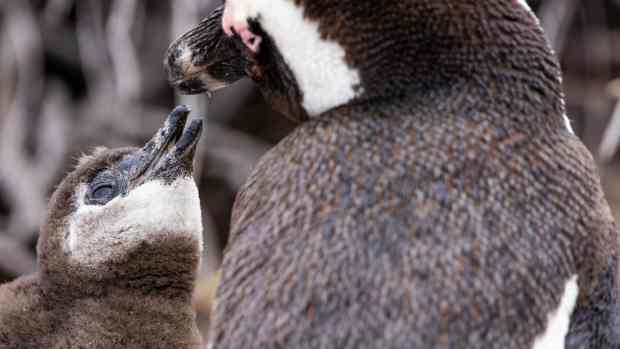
<point>250,40</point>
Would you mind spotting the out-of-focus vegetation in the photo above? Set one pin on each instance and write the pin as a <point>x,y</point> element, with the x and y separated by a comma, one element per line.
<point>77,74</point>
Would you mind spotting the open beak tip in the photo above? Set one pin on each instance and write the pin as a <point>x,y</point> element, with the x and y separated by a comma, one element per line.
<point>193,132</point>
<point>190,138</point>
<point>178,117</point>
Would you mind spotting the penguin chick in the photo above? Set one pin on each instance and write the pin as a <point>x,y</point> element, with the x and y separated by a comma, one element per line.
<point>434,195</point>
<point>118,254</point>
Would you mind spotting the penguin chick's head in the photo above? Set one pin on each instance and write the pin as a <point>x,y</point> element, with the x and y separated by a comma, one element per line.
<point>128,216</point>
<point>311,56</point>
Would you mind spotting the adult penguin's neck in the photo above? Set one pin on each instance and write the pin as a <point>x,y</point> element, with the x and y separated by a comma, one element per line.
<point>484,57</point>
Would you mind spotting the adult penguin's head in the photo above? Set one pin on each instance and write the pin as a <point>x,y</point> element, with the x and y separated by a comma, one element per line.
<point>311,56</point>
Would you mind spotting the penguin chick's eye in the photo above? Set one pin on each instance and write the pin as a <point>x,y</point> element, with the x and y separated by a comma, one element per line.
<point>102,190</point>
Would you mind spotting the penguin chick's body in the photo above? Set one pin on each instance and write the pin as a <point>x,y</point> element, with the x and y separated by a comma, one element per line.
<point>433,195</point>
<point>118,253</point>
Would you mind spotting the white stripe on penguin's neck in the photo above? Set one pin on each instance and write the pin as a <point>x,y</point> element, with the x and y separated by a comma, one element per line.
<point>324,78</point>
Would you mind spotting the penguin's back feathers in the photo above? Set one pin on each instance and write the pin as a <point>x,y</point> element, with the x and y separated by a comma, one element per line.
<point>421,235</point>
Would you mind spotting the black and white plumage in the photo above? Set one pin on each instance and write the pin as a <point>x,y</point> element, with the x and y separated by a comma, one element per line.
<point>433,195</point>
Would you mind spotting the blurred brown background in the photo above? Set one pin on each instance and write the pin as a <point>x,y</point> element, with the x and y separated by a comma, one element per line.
<point>76,74</point>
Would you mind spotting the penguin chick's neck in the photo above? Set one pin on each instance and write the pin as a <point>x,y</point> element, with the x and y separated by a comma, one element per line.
<point>487,56</point>
<point>127,318</point>
<point>149,270</point>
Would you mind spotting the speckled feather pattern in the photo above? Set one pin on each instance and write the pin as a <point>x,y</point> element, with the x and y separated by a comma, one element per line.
<point>445,208</point>
<point>427,248</point>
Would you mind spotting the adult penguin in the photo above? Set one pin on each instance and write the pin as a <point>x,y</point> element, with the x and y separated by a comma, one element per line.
<point>433,195</point>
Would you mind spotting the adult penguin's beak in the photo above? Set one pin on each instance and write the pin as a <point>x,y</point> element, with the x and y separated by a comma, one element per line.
<point>204,59</point>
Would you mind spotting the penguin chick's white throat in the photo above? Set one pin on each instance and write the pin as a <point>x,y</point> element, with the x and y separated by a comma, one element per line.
<point>142,214</point>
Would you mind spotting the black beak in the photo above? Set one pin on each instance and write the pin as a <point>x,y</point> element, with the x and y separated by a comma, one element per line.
<point>205,59</point>
<point>170,153</point>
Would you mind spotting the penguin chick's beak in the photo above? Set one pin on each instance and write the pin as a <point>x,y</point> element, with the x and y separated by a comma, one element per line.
<point>204,59</point>
<point>170,153</point>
